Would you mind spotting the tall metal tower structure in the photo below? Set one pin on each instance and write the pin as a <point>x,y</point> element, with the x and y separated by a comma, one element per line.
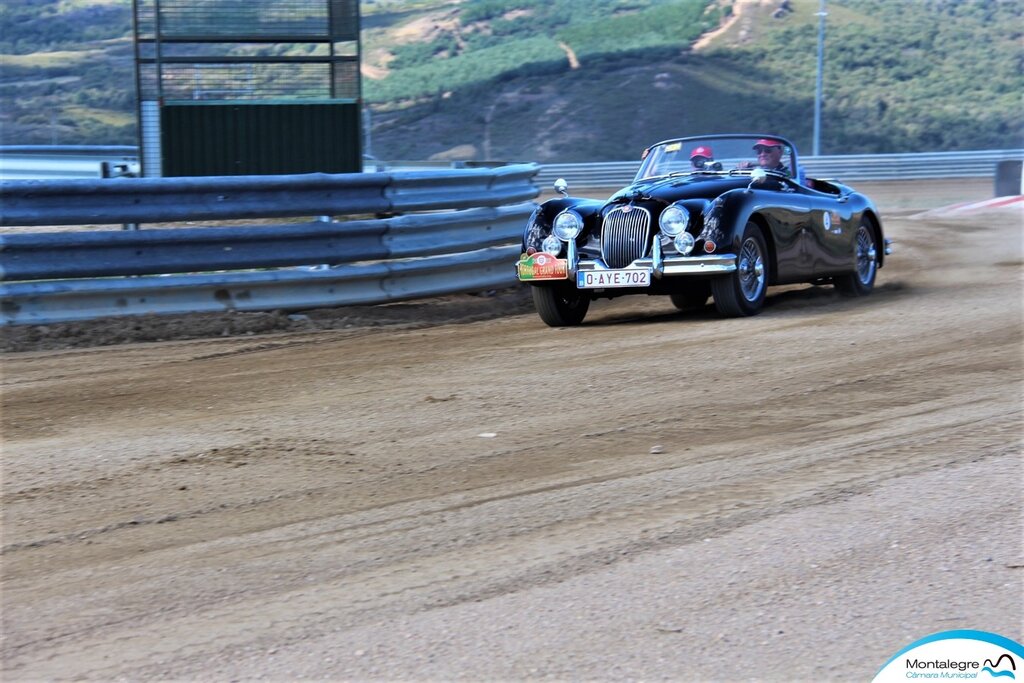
<point>238,87</point>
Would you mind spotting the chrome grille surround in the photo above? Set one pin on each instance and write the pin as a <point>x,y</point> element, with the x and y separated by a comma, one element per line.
<point>625,235</point>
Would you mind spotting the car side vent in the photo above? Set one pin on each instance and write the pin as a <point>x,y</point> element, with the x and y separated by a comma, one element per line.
<point>625,235</point>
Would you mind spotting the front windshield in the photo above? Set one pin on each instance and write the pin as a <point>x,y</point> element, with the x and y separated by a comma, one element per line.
<point>713,154</point>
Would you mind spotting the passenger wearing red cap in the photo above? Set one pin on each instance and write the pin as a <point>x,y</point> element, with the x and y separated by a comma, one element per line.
<point>700,156</point>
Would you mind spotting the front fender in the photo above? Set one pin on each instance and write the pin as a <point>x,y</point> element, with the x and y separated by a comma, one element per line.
<point>539,225</point>
<point>726,217</point>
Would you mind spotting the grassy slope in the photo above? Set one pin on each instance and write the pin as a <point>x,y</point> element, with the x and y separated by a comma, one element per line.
<point>464,45</point>
<point>918,75</point>
<point>66,74</point>
<point>910,75</point>
<point>901,75</point>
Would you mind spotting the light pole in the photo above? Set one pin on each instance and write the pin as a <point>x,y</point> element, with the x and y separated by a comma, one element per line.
<point>817,91</point>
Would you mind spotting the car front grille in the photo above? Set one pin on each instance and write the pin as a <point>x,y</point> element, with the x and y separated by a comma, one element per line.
<point>625,235</point>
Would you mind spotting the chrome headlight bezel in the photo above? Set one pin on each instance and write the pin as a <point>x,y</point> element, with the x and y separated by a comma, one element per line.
<point>567,225</point>
<point>674,220</point>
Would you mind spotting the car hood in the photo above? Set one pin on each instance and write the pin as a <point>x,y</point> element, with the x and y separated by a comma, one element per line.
<point>673,189</point>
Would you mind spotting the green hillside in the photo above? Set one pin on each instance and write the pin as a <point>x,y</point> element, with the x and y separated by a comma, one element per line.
<point>477,42</point>
<point>66,74</point>
<point>913,75</point>
<point>577,80</point>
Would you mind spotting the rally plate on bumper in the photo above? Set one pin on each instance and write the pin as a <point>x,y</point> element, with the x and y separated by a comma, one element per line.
<point>601,279</point>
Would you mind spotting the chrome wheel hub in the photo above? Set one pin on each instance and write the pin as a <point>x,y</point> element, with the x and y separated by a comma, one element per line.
<point>751,270</point>
<point>867,256</point>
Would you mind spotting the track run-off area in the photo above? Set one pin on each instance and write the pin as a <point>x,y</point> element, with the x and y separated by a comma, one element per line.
<point>653,495</point>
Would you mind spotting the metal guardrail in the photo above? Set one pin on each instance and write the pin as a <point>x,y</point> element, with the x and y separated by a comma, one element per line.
<point>41,256</point>
<point>151,200</point>
<point>851,167</point>
<point>291,289</point>
<point>466,243</point>
<point>41,161</point>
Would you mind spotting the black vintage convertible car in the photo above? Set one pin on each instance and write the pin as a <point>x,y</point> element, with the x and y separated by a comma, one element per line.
<point>721,216</point>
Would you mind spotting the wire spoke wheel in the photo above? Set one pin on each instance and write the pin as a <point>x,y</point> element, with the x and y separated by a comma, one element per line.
<point>741,292</point>
<point>867,257</point>
<point>751,270</point>
<point>861,280</point>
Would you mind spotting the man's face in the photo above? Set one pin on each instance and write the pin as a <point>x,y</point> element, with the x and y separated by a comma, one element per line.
<point>768,157</point>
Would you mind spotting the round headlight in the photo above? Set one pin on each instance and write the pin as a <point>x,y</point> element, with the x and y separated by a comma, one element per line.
<point>684,243</point>
<point>673,220</point>
<point>568,225</point>
<point>551,245</point>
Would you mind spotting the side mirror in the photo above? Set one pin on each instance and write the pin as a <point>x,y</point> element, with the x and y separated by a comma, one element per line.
<point>562,187</point>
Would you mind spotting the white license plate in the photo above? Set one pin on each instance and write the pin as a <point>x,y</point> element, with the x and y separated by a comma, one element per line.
<point>599,279</point>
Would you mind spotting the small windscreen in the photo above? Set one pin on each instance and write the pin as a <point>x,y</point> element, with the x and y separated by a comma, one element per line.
<point>716,154</point>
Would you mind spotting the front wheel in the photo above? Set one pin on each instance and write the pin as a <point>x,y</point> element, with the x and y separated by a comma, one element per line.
<point>694,295</point>
<point>741,292</point>
<point>862,280</point>
<point>560,305</point>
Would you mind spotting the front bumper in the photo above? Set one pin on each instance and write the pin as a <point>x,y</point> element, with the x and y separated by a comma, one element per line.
<point>660,264</point>
<point>707,264</point>
<point>657,263</point>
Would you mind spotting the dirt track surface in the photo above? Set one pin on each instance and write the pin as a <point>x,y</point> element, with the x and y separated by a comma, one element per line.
<point>656,494</point>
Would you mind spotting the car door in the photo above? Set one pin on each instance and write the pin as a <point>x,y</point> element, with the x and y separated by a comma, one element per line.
<point>788,214</point>
<point>832,229</point>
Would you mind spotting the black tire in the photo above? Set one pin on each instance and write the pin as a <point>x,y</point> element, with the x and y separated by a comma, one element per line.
<point>560,305</point>
<point>741,293</point>
<point>695,295</point>
<point>865,257</point>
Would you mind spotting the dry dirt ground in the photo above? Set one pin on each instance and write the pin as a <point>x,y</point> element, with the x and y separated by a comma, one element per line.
<point>654,495</point>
